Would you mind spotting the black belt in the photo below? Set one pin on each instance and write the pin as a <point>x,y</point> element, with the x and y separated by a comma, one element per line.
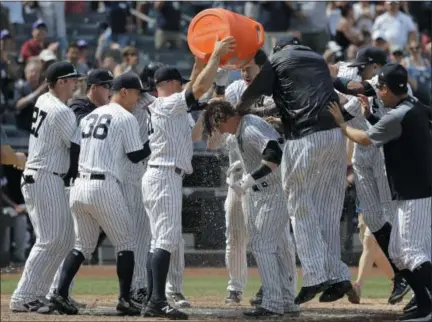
<point>91,176</point>
<point>260,185</point>
<point>176,170</point>
<point>61,175</point>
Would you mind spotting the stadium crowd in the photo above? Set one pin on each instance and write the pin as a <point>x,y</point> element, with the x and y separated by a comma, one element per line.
<point>336,29</point>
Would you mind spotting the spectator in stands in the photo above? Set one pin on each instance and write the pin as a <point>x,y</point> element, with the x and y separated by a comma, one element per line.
<point>34,46</point>
<point>53,13</point>
<point>312,23</point>
<point>397,27</point>
<point>83,53</point>
<point>346,32</point>
<point>9,67</point>
<point>167,25</point>
<point>19,226</point>
<point>4,17</point>
<point>73,56</point>
<point>47,57</point>
<point>379,40</point>
<point>419,71</point>
<point>143,7</point>
<point>129,63</point>
<point>15,16</point>
<point>27,92</point>
<point>364,15</point>
<point>8,156</point>
<point>397,54</point>
<point>109,62</point>
<point>120,20</point>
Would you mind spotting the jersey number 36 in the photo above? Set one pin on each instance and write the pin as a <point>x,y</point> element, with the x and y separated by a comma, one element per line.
<point>96,127</point>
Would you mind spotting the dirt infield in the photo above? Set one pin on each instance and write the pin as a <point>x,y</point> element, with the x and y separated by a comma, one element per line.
<point>101,307</point>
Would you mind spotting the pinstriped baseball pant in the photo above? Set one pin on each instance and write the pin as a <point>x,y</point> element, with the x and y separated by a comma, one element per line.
<point>50,216</point>
<point>372,187</point>
<point>135,203</point>
<point>100,203</point>
<point>313,177</point>
<point>410,239</point>
<point>267,220</point>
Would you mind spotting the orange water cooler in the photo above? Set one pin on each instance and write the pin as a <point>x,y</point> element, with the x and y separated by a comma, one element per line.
<point>210,24</point>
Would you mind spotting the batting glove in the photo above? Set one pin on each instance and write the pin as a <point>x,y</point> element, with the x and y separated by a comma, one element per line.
<point>235,168</point>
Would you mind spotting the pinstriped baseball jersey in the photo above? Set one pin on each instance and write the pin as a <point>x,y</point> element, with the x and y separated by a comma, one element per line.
<point>171,133</point>
<point>236,89</point>
<point>107,135</point>
<point>134,172</point>
<point>253,135</point>
<point>52,129</point>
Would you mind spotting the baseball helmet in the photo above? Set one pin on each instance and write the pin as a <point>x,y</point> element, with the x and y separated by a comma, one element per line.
<point>147,75</point>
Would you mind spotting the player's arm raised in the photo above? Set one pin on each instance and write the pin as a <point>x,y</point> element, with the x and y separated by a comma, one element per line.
<point>205,79</point>
<point>134,148</point>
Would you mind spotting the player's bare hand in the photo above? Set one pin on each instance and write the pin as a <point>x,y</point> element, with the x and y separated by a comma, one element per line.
<point>224,46</point>
<point>21,160</point>
<point>364,101</point>
<point>19,209</point>
<point>342,99</point>
<point>335,110</point>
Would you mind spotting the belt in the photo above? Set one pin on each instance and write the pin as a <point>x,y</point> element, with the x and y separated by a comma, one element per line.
<point>91,176</point>
<point>260,186</point>
<point>61,175</point>
<point>178,171</point>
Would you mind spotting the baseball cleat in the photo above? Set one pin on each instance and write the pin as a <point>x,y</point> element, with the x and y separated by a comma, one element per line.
<point>234,297</point>
<point>411,305</point>
<point>63,305</point>
<point>337,291</point>
<point>400,289</point>
<point>257,299</point>
<point>32,306</point>
<point>178,300</point>
<point>79,305</point>
<point>163,310</point>
<point>126,307</point>
<point>260,312</point>
<point>307,293</point>
<point>139,298</point>
<point>416,316</point>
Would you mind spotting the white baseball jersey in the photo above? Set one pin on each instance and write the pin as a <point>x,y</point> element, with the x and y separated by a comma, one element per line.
<point>253,135</point>
<point>107,135</point>
<point>171,133</point>
<point>52,129</point>
<point>133,172</point>
<point>236,89</point>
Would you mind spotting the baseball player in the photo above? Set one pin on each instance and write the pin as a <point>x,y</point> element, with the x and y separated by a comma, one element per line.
<point>131,187</point>
<point>368,163</point>
<point>172,151</point>
<point>174,285</point>
<point>259,153</point>
<point>314,163</point>
<point>108,138</point>
<point>43,188</point>
<point>99,83</point>
<point>405,135</point>
<point>237,240</point>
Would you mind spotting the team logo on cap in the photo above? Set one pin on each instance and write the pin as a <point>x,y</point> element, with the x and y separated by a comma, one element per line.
<point>141,84</point>
<point>110,74</point>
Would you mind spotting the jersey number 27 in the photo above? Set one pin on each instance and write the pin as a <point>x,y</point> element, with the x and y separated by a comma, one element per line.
<point>97,127</point>
<point>37,120</point>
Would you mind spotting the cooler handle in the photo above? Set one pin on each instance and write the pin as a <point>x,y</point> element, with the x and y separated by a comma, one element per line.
<point>261,35</point>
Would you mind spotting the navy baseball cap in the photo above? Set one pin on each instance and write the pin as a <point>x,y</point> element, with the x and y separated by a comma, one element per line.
<point>285,41</point>
<point>128,80</point>
<point>395,76</point>
<point>167,73</point>
<point>370,55</point>
<point>61,70</point>
<point>39,24</point>
<point>5,34</point>
<point>99,76</point>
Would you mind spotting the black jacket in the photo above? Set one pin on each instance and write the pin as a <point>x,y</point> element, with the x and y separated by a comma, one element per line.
<point>82,107</point>
<point>302,88</point>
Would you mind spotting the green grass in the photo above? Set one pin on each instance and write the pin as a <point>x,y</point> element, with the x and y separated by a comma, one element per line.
<point>375,287</point>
